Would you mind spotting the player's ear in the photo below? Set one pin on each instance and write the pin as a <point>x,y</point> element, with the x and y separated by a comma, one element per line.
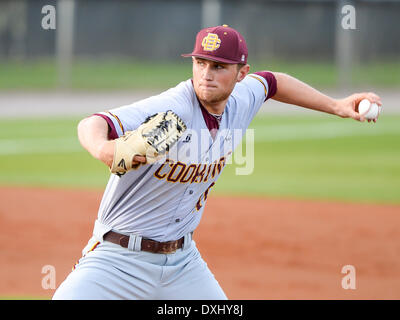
<point>243,71</point>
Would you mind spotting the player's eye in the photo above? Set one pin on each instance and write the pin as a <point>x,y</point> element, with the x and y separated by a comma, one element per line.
<point>219,66</point>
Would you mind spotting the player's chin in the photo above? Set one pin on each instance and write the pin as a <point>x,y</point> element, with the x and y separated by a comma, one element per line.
<point>207,95</point>
<point>212,96</point>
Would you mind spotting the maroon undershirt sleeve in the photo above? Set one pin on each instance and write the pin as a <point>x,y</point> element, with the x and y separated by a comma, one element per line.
<point>271,80</point>
<point>112,133</point>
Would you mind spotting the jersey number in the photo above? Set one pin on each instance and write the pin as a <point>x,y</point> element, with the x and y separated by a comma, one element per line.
<point>204,195</point>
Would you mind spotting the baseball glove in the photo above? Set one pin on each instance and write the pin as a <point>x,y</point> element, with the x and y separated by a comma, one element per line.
<point>153,139</point>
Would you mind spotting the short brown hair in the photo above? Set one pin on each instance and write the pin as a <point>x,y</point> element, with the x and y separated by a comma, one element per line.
<point>240,65</point>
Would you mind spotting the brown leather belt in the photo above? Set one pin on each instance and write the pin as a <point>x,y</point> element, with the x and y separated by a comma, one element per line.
<point>147,244</point>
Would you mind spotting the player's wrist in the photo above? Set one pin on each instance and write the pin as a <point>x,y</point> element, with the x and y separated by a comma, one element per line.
<point>105,152</point>
<point>335,107</point>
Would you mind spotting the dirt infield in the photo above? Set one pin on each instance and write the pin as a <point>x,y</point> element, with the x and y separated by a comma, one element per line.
<point>257,248</point>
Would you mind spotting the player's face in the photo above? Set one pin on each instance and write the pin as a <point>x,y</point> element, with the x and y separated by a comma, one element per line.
<point>214,81</point>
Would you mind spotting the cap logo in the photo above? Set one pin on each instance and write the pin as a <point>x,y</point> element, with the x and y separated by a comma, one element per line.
<point>211,42</point>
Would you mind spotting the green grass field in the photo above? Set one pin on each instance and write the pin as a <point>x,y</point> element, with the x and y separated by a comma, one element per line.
<point>317,157</point>
<point>126,74</point>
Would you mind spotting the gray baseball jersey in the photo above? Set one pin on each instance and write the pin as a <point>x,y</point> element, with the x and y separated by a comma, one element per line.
<point>165,201</point>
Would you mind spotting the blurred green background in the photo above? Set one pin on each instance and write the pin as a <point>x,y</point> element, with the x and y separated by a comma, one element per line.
<point>123,74</point>
<point>51,77</point>
<point>314,157</point>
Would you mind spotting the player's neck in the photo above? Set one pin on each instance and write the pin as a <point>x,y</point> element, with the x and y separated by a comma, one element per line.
<point>216,108</point>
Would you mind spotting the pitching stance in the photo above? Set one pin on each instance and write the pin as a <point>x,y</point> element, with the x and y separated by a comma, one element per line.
<point>142,245</point>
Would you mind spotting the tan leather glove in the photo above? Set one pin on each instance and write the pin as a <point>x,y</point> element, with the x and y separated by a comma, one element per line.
<point>153,139</point>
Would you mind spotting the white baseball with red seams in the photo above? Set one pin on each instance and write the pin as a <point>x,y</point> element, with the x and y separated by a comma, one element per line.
<point>369,110</point>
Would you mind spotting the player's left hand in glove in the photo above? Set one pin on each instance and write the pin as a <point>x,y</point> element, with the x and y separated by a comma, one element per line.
<point>152,139</point>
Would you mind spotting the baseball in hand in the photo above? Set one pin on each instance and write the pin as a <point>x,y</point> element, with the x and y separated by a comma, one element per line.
<point>369,110</point>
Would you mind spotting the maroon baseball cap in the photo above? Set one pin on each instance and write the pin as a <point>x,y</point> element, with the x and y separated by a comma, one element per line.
<point>221,43</point>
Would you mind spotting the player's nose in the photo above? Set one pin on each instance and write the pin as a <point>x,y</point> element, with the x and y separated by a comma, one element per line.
<point>207,73</point>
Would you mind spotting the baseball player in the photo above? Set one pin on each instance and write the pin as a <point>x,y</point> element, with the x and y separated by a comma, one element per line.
<point>142,245</point>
